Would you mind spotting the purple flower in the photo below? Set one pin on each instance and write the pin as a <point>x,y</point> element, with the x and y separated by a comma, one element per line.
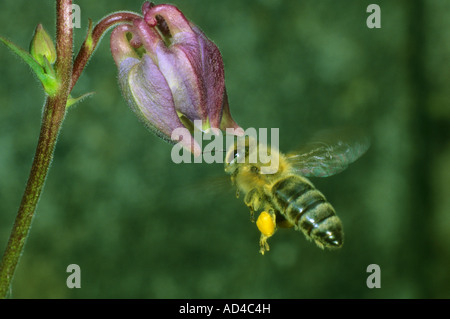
<point>171,74</point>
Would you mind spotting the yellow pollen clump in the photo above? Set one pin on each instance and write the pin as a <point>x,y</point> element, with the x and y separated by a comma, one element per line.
<point>266,224</point>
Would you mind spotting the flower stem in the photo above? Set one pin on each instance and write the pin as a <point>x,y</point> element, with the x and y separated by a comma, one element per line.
<point>51,124</point>
<point>67,73</point>
<point>52,119</point>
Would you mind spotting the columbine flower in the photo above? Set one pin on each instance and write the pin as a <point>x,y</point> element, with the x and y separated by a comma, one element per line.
<point>171,74</point>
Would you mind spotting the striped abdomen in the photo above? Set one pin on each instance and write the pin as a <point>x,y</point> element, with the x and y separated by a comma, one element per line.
<point>302,205</point>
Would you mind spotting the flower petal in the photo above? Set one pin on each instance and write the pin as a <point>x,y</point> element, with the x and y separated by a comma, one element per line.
<point>147,92</point>
<point>213,76</point>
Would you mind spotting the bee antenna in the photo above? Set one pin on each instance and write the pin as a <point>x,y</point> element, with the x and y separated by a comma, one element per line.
<point>223,151</point>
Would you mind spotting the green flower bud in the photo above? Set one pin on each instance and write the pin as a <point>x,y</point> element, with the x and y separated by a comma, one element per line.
<point>42,46</point>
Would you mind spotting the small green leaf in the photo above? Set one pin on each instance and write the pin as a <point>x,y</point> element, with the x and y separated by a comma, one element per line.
<point>34,65</point>
<point>45,74</point>
<point>71,101</point>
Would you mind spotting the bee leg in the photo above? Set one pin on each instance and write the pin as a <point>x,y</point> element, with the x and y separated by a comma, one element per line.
<point>233,182</point>
<point>252,215</point>
<point>263,245</point>
<point>253,202</point>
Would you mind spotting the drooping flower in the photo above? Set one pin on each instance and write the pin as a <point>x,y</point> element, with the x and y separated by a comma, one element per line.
<point>171,74</point>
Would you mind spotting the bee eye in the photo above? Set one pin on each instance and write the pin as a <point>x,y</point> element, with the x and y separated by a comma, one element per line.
<point>237,151</point>
<point>231,156</point>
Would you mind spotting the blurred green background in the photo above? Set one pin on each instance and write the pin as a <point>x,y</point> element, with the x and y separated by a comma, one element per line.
<point>140,226</point>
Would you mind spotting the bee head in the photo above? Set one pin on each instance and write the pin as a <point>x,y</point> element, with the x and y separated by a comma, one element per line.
<point>238,153</point>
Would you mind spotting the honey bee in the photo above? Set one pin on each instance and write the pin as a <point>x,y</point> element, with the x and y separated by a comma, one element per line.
<point>285,197</point>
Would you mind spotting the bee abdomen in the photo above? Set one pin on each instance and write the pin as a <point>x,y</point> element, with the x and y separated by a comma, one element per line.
<point>322,225</point>
<point>307,208</point>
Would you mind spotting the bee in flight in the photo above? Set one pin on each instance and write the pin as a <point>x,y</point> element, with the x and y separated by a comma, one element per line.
<point>280,190</point>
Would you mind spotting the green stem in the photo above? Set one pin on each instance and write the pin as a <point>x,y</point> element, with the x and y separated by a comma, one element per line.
<point>52,119</point>
<point>51,124</point>
<point>67,74</point>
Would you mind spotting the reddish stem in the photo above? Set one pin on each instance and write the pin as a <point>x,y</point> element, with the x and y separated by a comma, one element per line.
<point>90,44</point>
<point>53,116</point>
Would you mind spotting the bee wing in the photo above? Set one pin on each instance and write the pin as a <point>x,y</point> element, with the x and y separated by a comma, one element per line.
<point>209,186</point>
<point>328,156</point>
